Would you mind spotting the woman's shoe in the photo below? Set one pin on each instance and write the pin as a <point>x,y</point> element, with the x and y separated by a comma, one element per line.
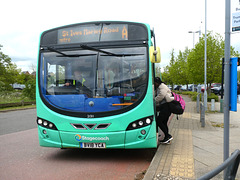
<point>166,140</point>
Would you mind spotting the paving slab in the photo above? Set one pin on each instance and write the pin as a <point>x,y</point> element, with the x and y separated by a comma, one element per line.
<point>195,150</point>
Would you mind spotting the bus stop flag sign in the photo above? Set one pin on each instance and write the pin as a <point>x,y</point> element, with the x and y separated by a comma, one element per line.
<point>236,21</point>
<point>233,84</point>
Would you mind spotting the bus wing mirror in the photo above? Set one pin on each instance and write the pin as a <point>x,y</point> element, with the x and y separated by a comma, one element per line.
<point>155,56</point>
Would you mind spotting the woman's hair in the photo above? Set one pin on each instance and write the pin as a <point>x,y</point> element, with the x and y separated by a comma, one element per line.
<point>157,80</point>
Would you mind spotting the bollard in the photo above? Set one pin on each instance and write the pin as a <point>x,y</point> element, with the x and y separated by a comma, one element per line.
<point>202,115</point>
<point>199,89</point>
<point>201,112</point>
<point>198,101</point>
<point>221,105</point>
<point>212,104</point>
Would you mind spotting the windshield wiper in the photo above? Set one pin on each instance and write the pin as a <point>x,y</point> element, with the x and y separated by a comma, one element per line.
<point>97,50</point>
<point>123,55</point>
<point>92,49</point>
<point>68,55</point>
<point>107,52</point>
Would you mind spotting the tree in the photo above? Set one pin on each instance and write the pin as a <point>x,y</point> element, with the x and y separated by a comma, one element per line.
<point>6,70</point>
<point>188,66</point>
<point>12,74</point>
<point>171,69</point>
<point>30,87</point>
<point>167,75</point>
<point>172,60</point>
<point>158,71</point>
<point>9,73</point>
<point>33,67</point>
<point>215,53</point>
<point>176,72</point>
<point>180,68</point>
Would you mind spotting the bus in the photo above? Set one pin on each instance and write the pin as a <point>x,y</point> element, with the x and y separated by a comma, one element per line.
<point>94,86</point>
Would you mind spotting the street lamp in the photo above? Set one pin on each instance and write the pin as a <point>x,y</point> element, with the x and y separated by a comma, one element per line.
<point>194,36</point>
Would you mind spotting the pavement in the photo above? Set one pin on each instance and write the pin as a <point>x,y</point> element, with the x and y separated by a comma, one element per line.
<point>195,150</point>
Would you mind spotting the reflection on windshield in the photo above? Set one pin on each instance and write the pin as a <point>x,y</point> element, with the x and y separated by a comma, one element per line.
<point>94,83</point>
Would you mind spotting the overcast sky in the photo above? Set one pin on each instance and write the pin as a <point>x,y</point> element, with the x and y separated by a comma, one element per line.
<point>22,22</point>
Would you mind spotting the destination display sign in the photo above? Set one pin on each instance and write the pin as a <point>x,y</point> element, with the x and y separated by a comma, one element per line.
<point>119,32</point>
<point>92,33</point>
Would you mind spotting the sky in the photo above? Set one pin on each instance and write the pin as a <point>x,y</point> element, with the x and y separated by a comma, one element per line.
<point>22,22</point>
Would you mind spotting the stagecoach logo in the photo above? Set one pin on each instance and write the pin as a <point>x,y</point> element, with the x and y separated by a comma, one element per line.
<point>78,138</point>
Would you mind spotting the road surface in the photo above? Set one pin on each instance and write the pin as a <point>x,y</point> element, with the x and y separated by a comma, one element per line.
<point>22,158</point>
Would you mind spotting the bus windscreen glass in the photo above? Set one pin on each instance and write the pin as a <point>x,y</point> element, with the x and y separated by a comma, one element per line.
<point>93,81</point>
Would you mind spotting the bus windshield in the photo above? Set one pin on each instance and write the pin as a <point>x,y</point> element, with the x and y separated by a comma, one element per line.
<point>89,80</point>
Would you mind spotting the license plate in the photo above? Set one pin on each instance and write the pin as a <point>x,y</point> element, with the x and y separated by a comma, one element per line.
<point>93,145</point>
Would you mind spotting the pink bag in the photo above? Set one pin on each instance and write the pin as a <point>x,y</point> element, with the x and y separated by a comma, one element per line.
<point>177,106</point>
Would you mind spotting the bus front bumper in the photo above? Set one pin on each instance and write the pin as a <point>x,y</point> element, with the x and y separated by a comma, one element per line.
<point>132,139</point>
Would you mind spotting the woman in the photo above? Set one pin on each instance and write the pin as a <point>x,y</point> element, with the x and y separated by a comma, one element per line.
<point>163,97</point>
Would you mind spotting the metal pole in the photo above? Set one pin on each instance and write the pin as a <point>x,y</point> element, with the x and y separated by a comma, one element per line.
<point>205,60</point>
<point>193,40</point>
<point>227,80</point>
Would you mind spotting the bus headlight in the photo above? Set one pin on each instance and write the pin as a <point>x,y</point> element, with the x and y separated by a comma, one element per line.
<point>50,125</point>
<point>134,125</point>
<point>46,124</point>
<point>39,121</point>
<point>148,121</point>
<point>140,123</point>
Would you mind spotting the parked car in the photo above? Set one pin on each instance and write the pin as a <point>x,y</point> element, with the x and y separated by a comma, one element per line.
<point>170,87</point>
<point>215,85</point>
<point>191,86</point>
<point>177,87</point>
<point>18,86</point>
<point>184,88</point>
<point>217,90</point>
